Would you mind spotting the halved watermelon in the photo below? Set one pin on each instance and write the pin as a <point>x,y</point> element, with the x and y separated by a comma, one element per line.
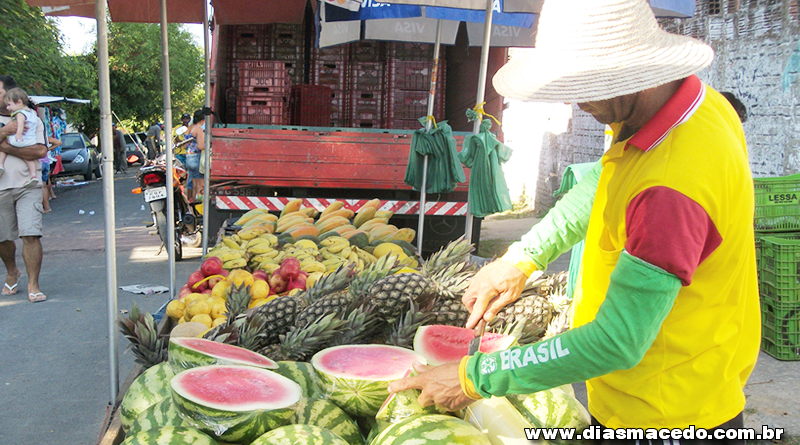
<point>235,403</point>
<point>356,377</point>
<point>186,353</point>
<point>445,344</point>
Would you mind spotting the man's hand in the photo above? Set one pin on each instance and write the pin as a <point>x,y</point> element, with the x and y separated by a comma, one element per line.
<point>9,129</point>
<point>440,386</point>
<point>496,285</point>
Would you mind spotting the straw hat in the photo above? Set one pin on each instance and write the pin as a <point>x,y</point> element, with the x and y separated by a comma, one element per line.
<point>589,50</point>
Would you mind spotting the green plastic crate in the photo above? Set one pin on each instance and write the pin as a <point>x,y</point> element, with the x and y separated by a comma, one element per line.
<point>779,269</point>
<point>777,204</point>
<point>780,335</point>
<point>761,236</point>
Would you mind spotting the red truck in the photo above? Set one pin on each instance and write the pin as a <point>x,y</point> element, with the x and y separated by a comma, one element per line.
<point>355,159</point>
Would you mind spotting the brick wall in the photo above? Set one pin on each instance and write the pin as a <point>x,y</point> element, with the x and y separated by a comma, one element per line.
<point>757,46</point>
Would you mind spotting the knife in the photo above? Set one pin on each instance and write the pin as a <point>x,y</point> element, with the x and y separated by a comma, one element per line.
<point>475,343</point>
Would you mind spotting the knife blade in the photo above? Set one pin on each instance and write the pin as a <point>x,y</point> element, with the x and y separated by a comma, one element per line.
<point>475,343</point>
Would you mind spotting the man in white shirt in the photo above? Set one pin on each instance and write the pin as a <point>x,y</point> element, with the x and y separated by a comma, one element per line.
<point>21,207</point>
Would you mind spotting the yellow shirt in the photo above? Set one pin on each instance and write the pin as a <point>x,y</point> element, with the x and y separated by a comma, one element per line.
<point>693,152</point>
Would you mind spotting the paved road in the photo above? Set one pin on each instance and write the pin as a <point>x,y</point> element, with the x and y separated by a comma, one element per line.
<point>54,376</point>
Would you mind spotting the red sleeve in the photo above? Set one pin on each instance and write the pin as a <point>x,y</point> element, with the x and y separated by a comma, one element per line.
<point>670,230</point>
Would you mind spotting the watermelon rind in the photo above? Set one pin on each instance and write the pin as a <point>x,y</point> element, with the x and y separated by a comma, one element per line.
<point>163,413</point>
<point>441,344</point>
<point>325,414</point>
<point>347,386</point>
<point>302,373</point>
<point>432,429</point>
<point>170,435</point>
<point>552,408</point>
<point>187,352</point>
<point>149,388</point>
<point>232,421</point>
<point>299,435</point>
<point>402,405</point>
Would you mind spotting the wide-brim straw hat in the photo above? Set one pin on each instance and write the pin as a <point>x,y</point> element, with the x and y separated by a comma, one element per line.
<point>590,50</point>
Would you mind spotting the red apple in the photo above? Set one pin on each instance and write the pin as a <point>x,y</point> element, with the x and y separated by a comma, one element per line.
<point>207,291</point>
<point>296,284</point>
<point>211,266</point>
<point>277,282</point>
<point>185,290</point>
<point>261,275</point>
<point>214,279</point>
<point>290,268</point>
<point>195,281</point>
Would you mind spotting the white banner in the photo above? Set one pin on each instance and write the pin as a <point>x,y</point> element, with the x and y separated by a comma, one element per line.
<point>502,36</point>
<point>418,29</point>
<point>352,5</point>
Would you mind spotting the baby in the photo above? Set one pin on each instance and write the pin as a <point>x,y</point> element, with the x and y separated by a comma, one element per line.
<point>17,103</point>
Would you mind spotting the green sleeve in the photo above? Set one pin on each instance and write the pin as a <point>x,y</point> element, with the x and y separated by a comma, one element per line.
<point>638,300</point>
<point>561,228</point>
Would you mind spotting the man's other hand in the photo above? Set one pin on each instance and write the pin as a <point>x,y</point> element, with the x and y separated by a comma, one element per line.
<point>439,384</point>
<point>496,285</point>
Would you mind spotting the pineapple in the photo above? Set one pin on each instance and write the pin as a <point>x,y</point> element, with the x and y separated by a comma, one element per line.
<point>360,325</point>
<point>238,300</point>
<point>142,331</point>
<point>530,315</point>
<point>301,343</point>
<point>447,273</point>
<point>338,302</point>
<point>451,312</point>
<point>401,332</point>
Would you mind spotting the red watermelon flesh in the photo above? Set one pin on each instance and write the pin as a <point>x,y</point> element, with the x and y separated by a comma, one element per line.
<point>368,362</point>
<point>225,352</point>
<point>445,344</point>
<point>236,388</point>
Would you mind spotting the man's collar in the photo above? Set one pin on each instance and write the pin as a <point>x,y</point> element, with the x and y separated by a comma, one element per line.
<point>678,109</point>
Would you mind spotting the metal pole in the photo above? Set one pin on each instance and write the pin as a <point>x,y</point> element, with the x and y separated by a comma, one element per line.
<point>209,122</point>
<point>484,67</point>
<point>431,98</point>
<point>107,147</point>
<point>168,143</point>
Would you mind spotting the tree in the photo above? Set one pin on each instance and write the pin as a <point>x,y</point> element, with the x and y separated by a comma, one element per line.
<point>135,71</point>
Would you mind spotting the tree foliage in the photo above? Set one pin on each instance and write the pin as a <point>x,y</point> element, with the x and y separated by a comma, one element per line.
<point>32,52</point>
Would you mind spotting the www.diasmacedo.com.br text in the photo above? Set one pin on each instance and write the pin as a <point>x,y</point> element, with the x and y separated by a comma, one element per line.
<point>690,433</point>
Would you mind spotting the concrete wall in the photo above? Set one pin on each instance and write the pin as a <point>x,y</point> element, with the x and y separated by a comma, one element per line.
<point>757,45</point>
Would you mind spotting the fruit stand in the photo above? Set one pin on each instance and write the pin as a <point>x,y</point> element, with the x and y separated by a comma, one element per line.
<point>294,326</point>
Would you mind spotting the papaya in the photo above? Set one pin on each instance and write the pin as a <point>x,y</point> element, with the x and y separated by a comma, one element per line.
<point>284,236</point>
<point>292,206</point>
<point>408,248</point>
<point>383,233</point>
<point>347,213</point>
<point>289,222</point>
<point>343,229</point>
<point>366,214</point>
<point>332,223</point>
<point>312,238</point>
<point>311,212</point>
<point>372,203</point>
<point>297,232</point>
<point>384,214</point>
<point>404,234</point>
<point>372,224</point>
<point>357,238</point>
<point>250,214</point>
<point>327,234</point>
<point>332,207</point>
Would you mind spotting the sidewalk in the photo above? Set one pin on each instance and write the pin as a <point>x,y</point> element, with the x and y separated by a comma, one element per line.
<point>772,391</point>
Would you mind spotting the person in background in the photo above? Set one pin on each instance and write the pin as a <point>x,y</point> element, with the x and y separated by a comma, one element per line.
<point>666,324</point>
<point>20,207</point>
<point>17,103</point>
<point>120,163</point>
<point>180,135</point>
<point>737,105</point>
<point>47,172</point>
<point>194,150</point>
<point>153,141</point>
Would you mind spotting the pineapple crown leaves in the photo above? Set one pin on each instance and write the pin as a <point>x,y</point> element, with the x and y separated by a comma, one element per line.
<point>252,330</point>
<point>223,333</point>
<point>360,325</point>
<point>402,330</point>
<point>238,300</point>
<point>385,266</point>
<point>141,330</point>
<point>456,251</point>
<point>301,343</point>
<point>335,281</point>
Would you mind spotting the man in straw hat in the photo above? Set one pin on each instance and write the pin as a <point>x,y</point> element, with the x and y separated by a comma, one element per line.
<point>666,325</point>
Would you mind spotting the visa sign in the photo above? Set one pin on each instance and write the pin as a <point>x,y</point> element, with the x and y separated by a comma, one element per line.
<point>409,27</point>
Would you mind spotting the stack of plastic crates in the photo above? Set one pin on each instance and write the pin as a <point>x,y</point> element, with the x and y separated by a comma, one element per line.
<point>263,94</point>
<point>310,105</point>
<point>777,225</point>
<point>408,84</point>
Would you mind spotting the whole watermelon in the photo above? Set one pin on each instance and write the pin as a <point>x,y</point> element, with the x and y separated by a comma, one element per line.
<point>157,416</point>
<point>303,374</point>
<point>325,414</point>
<point>299,435</point>
<point>435,429</point>
<point>553,408</point>
<point>148,389</point>
<point>170,435</point>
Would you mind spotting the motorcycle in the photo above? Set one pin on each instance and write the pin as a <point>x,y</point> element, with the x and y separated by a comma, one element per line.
<point>188,220</point>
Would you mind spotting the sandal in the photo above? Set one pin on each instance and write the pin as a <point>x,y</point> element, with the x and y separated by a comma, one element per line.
<point>11,288</point>
<point>36,297</point>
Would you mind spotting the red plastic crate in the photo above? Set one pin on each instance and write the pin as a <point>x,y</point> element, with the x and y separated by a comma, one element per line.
<point>330,72</point>
<point>264,110</point>
<point>411,51</point>
<point>336,53</point>
<point>367,51</point>
<point>405,104</point>
<point>310,105</point>
<point>366,105</point>
<point>246,42</point>
<point>366,76</point>
<point>413,75</point>
<point>366,123</point>
<point>263,77</point>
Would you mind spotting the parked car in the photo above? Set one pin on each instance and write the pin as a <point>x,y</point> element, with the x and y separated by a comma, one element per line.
<point>80,157</point>
<point>134,146</point>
